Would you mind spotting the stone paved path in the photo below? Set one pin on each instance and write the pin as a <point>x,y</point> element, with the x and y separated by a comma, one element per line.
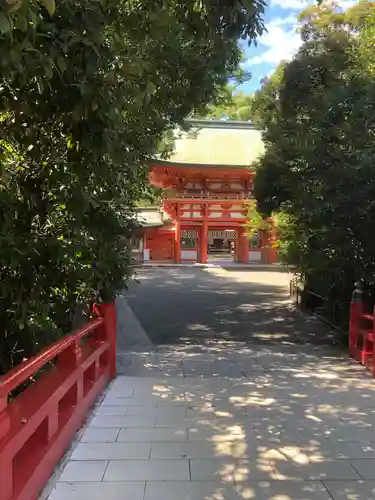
<point>230,417</point>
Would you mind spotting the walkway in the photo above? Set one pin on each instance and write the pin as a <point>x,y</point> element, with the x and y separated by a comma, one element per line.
<point>230,401</point>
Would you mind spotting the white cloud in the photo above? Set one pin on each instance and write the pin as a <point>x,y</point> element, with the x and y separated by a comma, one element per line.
<point>281,42</point>
<point>281,21</point>
<point>290,4</point>
<point>302,4</point>
<point>346,4</point>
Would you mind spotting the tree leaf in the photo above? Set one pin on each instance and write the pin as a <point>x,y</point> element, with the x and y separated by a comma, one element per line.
<point>15,5</point>
<point>61,63</point>
<point>49,5</point>
<point>5,24</point>
<point>21,24</point>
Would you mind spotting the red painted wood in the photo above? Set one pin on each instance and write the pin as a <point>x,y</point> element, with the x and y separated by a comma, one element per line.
<point>37,426</point>
<point>362,336</point>
<point>243,244</point>
<point>355,315</point>
<point>109,314</point>
<point>213,204</point>
<point>367,316</point>
<point>177,241</point>
<point>161,173</point>
<point>204,242</point>
<point>161,245</point>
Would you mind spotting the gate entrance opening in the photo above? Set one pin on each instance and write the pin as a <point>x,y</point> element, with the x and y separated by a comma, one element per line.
<point>222,245</point>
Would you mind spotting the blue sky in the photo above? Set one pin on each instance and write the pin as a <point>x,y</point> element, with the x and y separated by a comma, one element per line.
<point>280,42</point>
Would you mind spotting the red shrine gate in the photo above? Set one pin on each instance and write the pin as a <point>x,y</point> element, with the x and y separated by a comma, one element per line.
<point>205,201</point>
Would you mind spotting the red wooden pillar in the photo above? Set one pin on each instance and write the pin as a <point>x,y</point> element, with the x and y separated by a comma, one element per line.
<point>177,236</point>
<point>245,193</point>
<point>237,246</point>
<point>177,241</point>
<point>243,246</point>
<point>110,320</point>
<point>356,311</point>
<point>204,242</point>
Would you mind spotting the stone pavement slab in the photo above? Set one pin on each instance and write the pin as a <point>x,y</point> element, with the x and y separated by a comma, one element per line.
<point>88,471</point>
<point>280,490</point>
<point>152,435</point>
<point>364,467</point>
<point>190,450</point>
<point>147,470</point>
<point>351,490</point>
<point>190,490</point>
<point>230,470</point>
<point>111,451</point>
<point>98,491</point>
<point>96,435</point>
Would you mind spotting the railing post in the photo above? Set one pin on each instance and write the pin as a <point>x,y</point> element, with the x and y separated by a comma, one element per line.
<point>67,362</point>
<point>6,461</point>
<point>372,368</point>
<point>4,417</point>
<point>6,476</point>
<point>69,359</point>
<point>356,311</point>
<point>109,314</point>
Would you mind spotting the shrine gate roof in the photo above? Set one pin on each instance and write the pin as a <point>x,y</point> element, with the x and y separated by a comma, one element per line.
<point>208,143</point>
<point>150,216</point>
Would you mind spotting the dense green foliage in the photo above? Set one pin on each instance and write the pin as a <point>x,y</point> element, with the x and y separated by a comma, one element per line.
<point>229,105</point>
<point>87,92</point>
<point>318,115</point>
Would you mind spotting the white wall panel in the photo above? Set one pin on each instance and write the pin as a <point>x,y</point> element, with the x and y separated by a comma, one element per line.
<point>255,256</point>
<point>189,255</point>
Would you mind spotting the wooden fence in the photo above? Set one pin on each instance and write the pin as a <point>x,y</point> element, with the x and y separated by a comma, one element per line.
<point>361,321</point>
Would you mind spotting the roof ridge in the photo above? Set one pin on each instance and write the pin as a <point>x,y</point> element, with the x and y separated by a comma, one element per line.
<point>222,124</point>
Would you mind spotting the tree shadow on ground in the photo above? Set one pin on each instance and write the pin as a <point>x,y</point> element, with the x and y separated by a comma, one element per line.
<point>204,306</point>
<point>300,425</point>
<point>249,391</point>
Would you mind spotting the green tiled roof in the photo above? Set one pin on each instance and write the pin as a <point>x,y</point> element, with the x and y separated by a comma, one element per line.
<point>149,217</point>
<point>218,143</point>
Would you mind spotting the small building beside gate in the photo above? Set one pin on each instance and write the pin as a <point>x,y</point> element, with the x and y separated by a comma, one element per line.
<point>207,185</point>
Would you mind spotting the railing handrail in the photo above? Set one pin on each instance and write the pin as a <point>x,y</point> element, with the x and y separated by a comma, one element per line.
<point>44,417</point>
<point>28,368</point>
<point>296,293</point>
<point>214,196</point>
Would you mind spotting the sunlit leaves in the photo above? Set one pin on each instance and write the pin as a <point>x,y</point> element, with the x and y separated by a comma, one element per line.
<point>49,5</point>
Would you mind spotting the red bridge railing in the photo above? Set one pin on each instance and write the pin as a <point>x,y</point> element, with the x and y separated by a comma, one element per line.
<point>37,426</point>
<point>362,336</point>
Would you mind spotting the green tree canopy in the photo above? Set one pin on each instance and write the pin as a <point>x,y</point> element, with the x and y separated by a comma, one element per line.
<point>87,91</point>
<point>229,105</point>
<point>318,117</point>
